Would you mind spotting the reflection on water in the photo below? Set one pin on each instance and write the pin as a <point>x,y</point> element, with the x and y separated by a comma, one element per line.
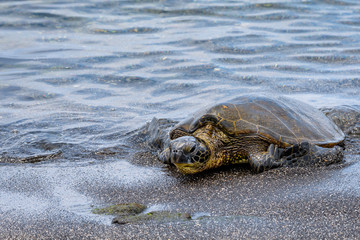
<point>76,77</point>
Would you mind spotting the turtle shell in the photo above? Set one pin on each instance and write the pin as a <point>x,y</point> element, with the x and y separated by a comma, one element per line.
<point>281,120</point>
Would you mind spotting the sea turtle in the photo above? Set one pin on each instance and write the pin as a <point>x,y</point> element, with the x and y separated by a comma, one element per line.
<point>266,132</point>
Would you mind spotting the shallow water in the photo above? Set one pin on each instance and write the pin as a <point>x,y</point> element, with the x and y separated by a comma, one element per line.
<point>76,77</point>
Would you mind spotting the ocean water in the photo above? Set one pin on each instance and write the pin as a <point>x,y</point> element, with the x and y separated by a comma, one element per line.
<point>76,77</point>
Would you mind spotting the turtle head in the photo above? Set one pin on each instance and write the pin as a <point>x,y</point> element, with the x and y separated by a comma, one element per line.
<point>188,154</point>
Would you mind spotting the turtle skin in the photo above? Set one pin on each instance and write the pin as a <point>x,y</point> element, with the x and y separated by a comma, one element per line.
<point>266,132</point>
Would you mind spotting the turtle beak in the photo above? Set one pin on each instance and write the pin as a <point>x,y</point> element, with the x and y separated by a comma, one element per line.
<point>177,156</point>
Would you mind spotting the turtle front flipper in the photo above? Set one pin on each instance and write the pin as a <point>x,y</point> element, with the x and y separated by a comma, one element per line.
<point>305,154</point>
<point>164,156</point>
<point>261,161</point>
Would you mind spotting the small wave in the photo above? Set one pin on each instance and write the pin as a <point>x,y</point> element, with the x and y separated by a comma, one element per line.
<point>124,81</point>
<point>134,30</point>
<point>330,59</point>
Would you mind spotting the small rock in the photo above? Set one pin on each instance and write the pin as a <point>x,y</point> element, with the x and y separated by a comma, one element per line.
<point>158,216</point>
<point>126,209</point>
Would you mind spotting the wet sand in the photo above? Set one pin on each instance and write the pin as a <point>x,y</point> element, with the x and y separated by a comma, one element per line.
<point>54,201</point>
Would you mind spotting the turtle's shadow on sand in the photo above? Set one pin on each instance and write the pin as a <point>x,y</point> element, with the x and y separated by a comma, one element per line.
<point>243,169</point>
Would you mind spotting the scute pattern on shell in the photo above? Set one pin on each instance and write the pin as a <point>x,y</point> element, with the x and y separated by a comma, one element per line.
<point>282,120</point>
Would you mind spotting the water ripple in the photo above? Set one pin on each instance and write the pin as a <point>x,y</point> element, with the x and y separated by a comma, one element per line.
<point>75,77</point>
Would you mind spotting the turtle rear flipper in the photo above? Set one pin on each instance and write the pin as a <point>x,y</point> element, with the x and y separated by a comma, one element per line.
<point>305,154</point>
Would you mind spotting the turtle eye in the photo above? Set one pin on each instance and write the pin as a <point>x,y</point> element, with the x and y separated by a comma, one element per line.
<point>193,148</point>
